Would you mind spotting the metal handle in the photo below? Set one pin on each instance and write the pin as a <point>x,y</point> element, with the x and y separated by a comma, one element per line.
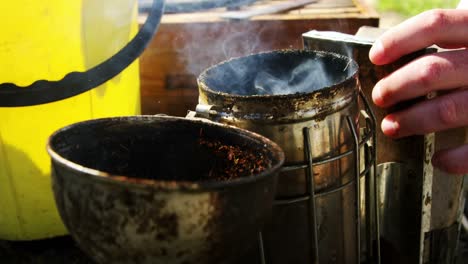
<point>74,83</point>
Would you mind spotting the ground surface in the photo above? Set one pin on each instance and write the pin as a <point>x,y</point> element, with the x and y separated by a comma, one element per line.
<point>53,251</point>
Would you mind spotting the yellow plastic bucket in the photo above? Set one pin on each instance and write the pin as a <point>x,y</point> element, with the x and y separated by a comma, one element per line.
<point>46,40</point>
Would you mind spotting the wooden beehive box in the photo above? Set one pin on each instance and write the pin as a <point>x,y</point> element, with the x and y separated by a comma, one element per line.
<point>188,43</point>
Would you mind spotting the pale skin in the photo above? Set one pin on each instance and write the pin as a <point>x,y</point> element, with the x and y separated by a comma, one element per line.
<point>445,71</point>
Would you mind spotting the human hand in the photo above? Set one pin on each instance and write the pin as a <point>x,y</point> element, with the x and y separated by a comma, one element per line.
<point>443,71</point>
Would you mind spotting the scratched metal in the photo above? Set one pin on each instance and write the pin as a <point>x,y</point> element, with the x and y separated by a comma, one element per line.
<point>282,117</point>
<point>119,219</point>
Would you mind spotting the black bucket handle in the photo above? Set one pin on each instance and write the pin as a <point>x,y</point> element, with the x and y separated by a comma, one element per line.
<point>74,83</point>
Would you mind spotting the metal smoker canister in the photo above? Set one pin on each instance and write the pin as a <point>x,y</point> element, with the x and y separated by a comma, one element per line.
<point>420,206</point>
<point>312,127</point>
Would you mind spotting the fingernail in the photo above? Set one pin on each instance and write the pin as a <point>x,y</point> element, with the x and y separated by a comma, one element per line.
<point>389,126</point>
<point>376,51</point>
<point>377,95</point>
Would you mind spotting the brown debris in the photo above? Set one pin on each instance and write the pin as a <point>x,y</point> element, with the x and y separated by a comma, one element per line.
<point>233,162</point>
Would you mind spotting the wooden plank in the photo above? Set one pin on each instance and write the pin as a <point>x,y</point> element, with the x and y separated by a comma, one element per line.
<point>365,8</point>
<point>215,15</point>
<point>267,9</point>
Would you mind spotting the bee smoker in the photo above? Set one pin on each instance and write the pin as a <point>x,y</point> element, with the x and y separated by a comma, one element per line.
<point>420,206</point>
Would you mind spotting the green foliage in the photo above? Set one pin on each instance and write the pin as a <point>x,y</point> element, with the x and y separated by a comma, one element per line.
<point>414,7</point>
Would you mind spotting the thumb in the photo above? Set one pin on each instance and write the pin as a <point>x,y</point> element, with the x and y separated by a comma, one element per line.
<point>453,160</point>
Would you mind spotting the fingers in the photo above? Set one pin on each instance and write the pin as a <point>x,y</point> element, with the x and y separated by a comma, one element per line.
<point>440,71</point>
<point>441,113</point>
<point>441,27</point>
<point>453,160</point>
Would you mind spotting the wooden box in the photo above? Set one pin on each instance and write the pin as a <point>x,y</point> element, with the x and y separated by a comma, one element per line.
<point>188,43</point>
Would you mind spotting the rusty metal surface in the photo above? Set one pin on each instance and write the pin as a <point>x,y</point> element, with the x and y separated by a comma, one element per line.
<point>229,89</point>
<point>409,151</point>
<point>446,185</point>
<point>115,219</point>
<point>282,119</point>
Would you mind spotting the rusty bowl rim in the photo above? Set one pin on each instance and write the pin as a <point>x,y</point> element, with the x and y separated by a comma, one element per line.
<point>165,185</point>
<point>201,79</point>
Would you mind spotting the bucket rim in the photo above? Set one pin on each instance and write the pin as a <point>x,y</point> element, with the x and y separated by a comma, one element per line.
<point>166,185</point>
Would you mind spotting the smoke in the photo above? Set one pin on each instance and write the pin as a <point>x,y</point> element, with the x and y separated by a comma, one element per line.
<point>202,45</point>
<point>306,77</point>
<point>240,43</point>
<point>279,73</point>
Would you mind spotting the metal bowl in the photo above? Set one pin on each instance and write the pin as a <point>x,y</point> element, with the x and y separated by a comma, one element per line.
<point>129,190</point>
